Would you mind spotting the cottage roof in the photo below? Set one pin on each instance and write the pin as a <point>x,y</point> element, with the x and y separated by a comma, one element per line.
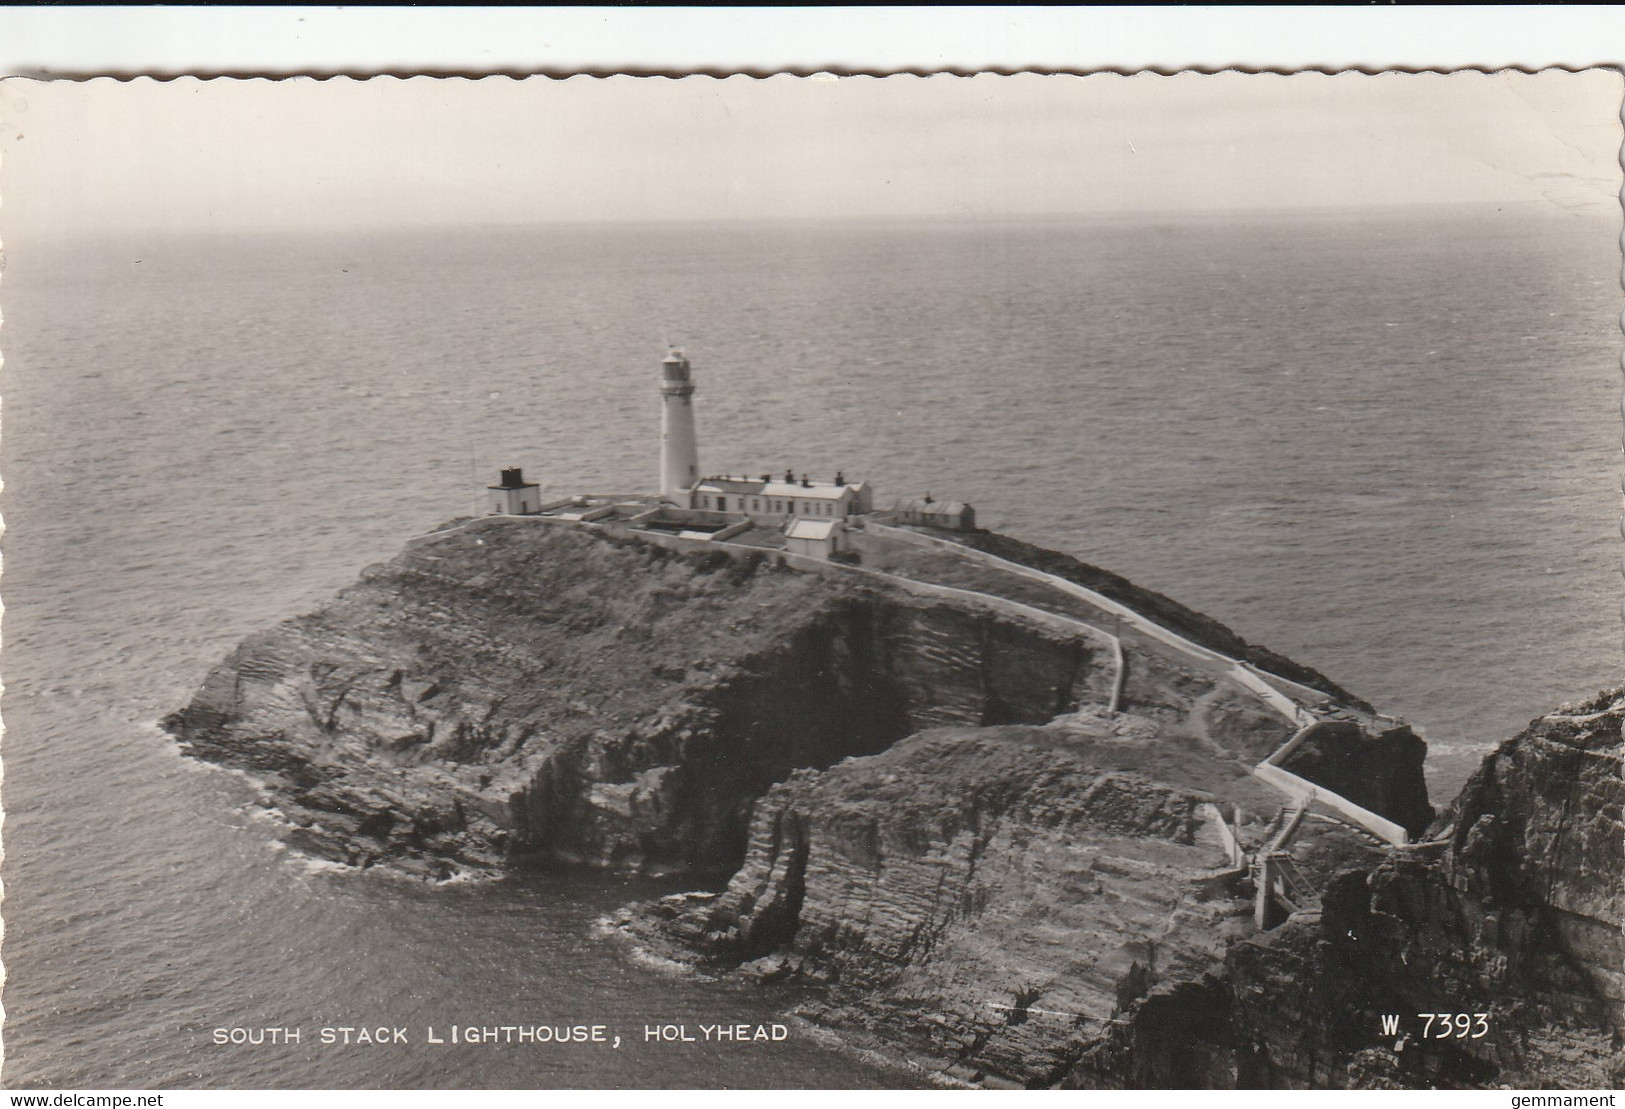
<point>932,508</point>
<point>730,485</point>
<point>817,490</point>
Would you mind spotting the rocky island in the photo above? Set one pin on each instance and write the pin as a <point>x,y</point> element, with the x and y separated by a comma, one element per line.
<point>1017,833</point>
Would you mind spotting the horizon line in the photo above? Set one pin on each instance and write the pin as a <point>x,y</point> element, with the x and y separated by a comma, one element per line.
<point>1521,207</point>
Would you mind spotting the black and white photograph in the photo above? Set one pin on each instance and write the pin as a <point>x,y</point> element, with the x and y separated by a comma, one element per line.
<point>1000,580</point>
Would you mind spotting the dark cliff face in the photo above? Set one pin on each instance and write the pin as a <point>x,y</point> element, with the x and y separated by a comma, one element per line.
<point>989,901</point>
<point>1044,906</point>
<point>860,671</point>
<point>1382,773</point>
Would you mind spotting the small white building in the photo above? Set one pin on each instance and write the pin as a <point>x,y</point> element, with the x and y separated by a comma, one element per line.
<point>776,501</point>
<point>814,538</point>
<point>515,496</point>
<point>953,515</point>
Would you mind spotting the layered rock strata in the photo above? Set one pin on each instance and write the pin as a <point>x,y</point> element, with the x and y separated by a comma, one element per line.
<point>991,901</point>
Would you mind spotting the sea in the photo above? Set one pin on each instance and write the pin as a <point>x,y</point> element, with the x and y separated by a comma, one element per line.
<point>1384,443</point>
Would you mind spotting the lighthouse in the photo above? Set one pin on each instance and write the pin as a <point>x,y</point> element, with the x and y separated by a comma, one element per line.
<point>679,457</point>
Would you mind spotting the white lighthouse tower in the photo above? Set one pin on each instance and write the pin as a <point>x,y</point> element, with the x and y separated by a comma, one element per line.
<point>679,457</point>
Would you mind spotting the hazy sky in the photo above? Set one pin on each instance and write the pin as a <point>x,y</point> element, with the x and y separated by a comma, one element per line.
<point>227,154</point>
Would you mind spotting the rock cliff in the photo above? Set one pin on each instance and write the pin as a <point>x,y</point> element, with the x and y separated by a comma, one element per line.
<point>1511,908</point>
<point>990,901</point>
<point>927,811</point>
<point>1035,906</point>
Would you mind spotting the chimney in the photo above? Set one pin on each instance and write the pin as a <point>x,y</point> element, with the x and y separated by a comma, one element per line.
<point>840,478</point>
<point>789,477</point>
<point>513,478</point>
<point>805,484</point>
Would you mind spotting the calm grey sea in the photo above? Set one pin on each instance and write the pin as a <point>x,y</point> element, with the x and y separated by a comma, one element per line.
<point>1385,446</point>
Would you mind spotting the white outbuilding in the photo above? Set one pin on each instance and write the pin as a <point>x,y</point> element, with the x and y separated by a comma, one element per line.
<point>813,537</point>
<point>515,496</point>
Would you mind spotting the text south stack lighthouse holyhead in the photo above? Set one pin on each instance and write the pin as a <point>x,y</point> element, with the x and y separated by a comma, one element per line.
<point>679,457</point>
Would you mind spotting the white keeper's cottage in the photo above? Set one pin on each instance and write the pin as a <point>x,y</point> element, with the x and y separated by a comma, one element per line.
<point>778,501</point>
